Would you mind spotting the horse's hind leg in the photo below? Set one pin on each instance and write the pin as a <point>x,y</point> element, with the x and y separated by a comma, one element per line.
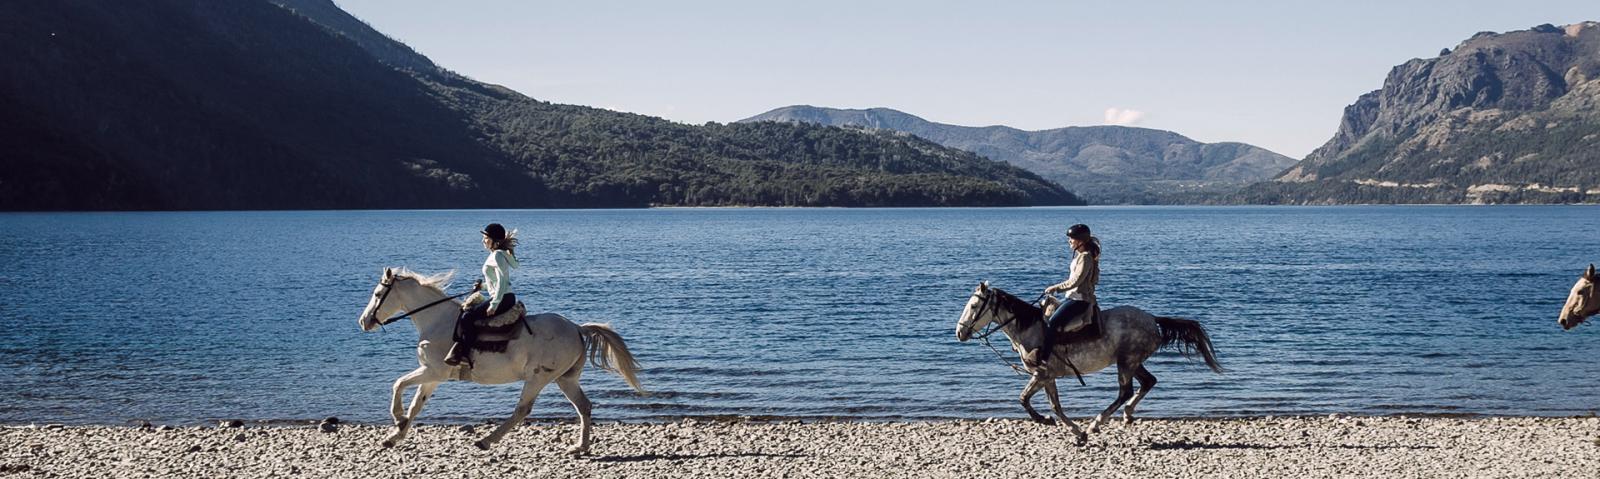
<point>1028,391</point>
<point>569,387</point>
<point>1124,391</point>
<point>1055,406</point>
<point>530,391</point>
<point>1147,382</point>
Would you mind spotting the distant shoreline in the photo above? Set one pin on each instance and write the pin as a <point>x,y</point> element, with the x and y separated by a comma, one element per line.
<point>748,207</point>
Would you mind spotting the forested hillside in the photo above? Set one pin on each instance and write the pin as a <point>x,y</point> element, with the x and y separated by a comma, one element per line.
<point>250,104</point>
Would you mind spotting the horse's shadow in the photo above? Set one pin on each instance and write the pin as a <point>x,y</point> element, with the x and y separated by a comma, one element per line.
<point>1243,445</point>
<point>682,457</point>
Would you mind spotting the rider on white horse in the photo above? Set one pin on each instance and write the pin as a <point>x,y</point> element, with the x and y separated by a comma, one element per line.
<point>497,276</point>
<point>1079,286</point>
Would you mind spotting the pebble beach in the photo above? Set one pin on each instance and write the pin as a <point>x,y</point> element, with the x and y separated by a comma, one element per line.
<point>1325,446</point>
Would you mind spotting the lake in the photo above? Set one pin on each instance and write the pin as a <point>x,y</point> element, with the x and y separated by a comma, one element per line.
<point>801,313</point>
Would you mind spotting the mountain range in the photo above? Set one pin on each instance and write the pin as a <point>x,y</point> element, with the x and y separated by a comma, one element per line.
<point>1501,118</point>
<point>1104,164</point>
<point>295,104</point>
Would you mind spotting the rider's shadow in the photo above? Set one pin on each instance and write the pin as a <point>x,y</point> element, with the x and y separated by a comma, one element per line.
<point>1243,445</point>
<point>681,457</point>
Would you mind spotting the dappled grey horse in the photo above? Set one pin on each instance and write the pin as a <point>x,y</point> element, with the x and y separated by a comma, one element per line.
<point>1128,336</point>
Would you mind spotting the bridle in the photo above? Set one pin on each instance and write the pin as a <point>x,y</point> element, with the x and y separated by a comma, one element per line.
<point>992,327</point>
<point>388,285</point>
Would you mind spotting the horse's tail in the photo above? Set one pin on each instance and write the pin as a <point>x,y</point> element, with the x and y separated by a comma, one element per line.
<point>1190,337</point>
<point>607,351</point>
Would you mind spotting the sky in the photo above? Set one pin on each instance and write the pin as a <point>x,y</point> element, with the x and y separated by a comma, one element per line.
<point>1275,74</point>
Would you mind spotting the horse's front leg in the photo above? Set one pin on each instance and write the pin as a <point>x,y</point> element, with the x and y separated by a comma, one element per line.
<point>424,392</point>
<point>530,391</point>
<point>1055,406</point>
<point>1028,391</point>
<point>401,422</point>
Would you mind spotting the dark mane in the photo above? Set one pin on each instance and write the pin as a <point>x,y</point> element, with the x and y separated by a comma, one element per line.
<point>1026,312</point>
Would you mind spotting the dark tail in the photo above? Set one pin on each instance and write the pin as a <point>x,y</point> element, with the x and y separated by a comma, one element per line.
<point>1190,337</point>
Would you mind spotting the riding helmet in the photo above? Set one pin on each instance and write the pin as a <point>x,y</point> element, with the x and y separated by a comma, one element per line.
<point>1078,232</point>
<point>495,232</point>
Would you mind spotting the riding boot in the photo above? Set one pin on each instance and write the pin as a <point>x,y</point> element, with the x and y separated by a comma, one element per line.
<point>459,353</point>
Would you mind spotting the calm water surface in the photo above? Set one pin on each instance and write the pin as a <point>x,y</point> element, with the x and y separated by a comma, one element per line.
<point>811,313</point>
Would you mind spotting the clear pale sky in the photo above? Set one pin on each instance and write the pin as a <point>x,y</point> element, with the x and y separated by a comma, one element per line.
<point>1275,74</point>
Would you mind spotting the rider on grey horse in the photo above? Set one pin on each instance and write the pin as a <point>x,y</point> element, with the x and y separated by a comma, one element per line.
<point>1079,286</point>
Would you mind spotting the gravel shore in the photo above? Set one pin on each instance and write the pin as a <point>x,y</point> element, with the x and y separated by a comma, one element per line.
<point>1252,447</point>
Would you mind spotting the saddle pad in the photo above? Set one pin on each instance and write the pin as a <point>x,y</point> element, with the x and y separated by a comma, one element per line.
<point>499,320</point>
<point>496,332</point>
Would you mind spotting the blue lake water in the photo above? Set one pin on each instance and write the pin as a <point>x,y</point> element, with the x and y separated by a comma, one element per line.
<point>809,313</point>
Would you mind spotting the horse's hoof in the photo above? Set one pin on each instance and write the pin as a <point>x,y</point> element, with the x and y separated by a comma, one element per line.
<point>387,444</point>
<point>1128,420</point>
<point>576,451</point>
<point>1045,421</point>
<point>481,445</point>
<point>1082,439</point>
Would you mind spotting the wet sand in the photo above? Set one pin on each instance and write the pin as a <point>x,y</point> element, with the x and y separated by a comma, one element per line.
<point>1251,447</point>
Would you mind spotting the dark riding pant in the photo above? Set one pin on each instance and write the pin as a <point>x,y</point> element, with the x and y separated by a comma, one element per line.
<point>1065,314</point>
<point>467,323</point>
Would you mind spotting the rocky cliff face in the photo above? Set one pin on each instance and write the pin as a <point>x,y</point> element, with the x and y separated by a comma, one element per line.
<point>1104,164</point>
<point>1500,118</point>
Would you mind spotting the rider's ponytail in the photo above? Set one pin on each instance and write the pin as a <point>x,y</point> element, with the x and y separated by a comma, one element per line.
<point>509,243</point>
<point>1092,246</point>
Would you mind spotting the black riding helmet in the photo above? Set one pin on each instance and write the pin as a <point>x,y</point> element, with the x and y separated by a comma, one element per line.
<point>494,231</point>
<point>1078,232</point>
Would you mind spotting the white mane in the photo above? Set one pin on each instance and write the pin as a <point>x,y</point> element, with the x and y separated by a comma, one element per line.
<point>439,281</point>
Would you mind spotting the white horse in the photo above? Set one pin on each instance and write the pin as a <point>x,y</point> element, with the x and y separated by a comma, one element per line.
<point>1128,337</point>
<point>1583,302</point>
<point>552,348</point>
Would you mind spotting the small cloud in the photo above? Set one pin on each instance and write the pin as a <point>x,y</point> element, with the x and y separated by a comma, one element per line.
<point>1123,117</point>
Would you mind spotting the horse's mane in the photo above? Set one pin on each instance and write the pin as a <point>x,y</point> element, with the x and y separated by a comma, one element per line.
<point>1026,312</point>
<point>438,281</point>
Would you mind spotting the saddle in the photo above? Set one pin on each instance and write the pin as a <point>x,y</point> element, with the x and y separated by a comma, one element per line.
<point>1090,330</point>
<point>492,334</point>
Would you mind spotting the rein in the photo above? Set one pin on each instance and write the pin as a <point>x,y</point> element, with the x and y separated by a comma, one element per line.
<point>390,287</point>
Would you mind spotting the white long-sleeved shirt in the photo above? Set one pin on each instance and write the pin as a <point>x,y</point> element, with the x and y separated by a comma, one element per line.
<point>1085,274</point>
<point>497,276</point>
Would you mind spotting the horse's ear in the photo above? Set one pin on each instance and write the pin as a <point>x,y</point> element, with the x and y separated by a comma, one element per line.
<point>983,286</point>
<point>1590,273</point>
<point>388,273</point>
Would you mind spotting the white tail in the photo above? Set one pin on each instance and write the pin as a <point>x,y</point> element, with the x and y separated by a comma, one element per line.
<point>608,351</point>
